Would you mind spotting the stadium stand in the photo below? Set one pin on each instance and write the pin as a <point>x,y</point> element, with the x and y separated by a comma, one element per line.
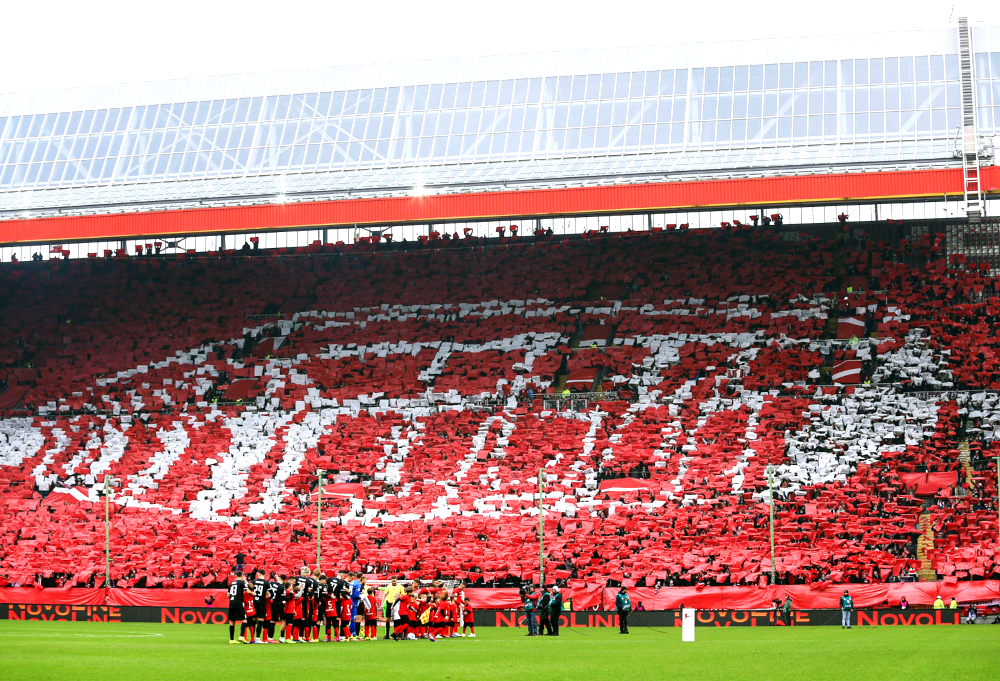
<point>418,375</point>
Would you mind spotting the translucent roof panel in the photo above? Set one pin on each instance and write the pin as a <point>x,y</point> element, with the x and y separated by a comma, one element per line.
<point>589,116</point>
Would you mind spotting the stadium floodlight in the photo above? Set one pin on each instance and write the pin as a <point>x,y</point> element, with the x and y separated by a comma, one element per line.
<point>109,483</point>
<point>770,503</point>
<point>541,530</point>
<point>319,511</point>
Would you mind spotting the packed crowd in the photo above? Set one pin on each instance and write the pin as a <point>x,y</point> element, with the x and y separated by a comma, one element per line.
<point>416,382</point>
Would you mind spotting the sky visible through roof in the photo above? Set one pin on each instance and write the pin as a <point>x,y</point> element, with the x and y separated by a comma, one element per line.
<point>63,44</point>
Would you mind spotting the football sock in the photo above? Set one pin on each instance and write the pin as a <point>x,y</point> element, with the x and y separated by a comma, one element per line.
<point>232,631</point>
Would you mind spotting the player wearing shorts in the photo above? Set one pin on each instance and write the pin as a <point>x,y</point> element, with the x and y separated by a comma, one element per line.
<point>259,587</point>
<point>412,616</point>
<point>275,604</point>
<point>458,594</point>
<point>288,611</point>
<point>251,615</point>
<point>452,618</point>
<point>431,618</point>
<point>302,629</point>
<point>449,617</point>
<point>425,614</point>
<point>401,622</point>
<point>344,603</point>
<point>371,616</point>
<point>336,587</point>
<point>329,607</point>
<point>468,618</point>
<point>396,615</point>
<point>236,613</point>
<point>311,609</point>
<point>445,615</point>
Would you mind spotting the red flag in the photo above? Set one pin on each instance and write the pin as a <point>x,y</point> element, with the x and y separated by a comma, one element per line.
<point>848,327</point>
<point>847,371</point>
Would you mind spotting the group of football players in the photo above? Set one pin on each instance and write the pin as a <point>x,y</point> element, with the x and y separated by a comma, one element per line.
<point>297,607</point>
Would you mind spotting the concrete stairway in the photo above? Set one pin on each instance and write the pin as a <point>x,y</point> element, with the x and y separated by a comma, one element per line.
<point>925,543</point>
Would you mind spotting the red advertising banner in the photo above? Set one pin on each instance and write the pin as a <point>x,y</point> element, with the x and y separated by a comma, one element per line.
<point>734,618</point>
<point>589,597</point>
<point>487,599</point>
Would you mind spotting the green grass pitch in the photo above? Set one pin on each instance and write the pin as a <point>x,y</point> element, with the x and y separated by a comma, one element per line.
<point>148,652</point>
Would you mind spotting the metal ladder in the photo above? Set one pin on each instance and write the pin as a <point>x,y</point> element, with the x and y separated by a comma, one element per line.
<point>969,139</point>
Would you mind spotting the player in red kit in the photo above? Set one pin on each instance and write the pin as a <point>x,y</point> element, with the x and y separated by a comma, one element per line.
<point>468,621</point>
<point>452,617</point>
<point>423,620</point>
<point>251,621</point>
<point>371,615</point>
<point>288,611</point>
<point>328,608</point>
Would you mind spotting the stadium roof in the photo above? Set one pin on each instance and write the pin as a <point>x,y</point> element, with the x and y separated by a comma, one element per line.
<point>888,101</point>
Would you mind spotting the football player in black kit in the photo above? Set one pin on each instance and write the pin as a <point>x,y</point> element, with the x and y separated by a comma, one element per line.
<point>317,603</point>
<point>303,624</point>
<point>260,587</point>
<point>325,602</point>
<point>236,613</point>
<point>276,604</point>
<point>341,595</point>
